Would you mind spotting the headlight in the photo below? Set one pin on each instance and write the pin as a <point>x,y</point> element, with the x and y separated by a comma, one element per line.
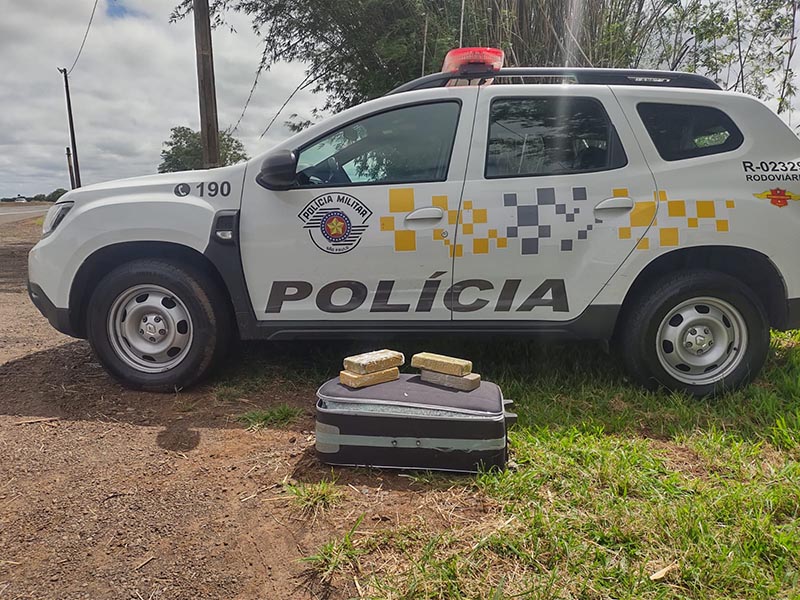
<point>54,216</point>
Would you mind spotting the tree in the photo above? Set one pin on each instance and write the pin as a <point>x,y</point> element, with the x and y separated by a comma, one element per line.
<point>359,49</point>
<point>55,194</point>
<point>183,151</point>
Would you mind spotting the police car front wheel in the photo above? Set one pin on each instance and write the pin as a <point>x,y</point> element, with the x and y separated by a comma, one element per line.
<point>157,325</point>
<point>702,332</point>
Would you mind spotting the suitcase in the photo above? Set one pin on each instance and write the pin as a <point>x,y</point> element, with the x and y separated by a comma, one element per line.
<point>411,424</point>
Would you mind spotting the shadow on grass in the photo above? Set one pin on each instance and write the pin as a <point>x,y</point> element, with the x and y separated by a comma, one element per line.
<point>553,385</point>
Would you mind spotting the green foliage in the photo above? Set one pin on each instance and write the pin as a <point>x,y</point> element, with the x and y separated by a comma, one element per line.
<point>183,151</point>
<point>56,194</point>
<point>313,498</point>
<point>278,416</point>
<point>612,484</point>
<point>51,197</point>
<point>336,556</point>
<point>360,49</point>
<point>744,45</point>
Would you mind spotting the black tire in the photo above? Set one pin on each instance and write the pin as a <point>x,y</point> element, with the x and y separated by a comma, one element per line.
<point>206,305</point>
<point>638,332</point>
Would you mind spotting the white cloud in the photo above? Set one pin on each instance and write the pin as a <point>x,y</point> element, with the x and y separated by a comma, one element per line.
<point>135,79</point>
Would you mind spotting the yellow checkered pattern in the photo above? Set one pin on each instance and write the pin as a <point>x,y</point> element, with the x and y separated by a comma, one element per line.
<point>674,217</point>
<point>401,200</point>
<point>472,223</point>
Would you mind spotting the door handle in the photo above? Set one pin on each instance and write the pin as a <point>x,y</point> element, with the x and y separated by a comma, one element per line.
<point>427,213</point>
<point>617,202</point>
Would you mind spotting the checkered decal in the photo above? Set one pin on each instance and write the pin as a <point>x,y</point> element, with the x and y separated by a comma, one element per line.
<point>473,225</point>
<point>530,227</point>
<point>530,220</point>
<point>674,216</point>
<point>401,200</point>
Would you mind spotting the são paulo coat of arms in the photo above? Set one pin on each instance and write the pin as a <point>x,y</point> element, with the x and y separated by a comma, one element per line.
<point>335,222</point>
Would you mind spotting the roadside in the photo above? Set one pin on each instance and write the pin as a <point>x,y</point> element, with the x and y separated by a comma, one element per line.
<point>22,329</point>
<point>10,213</point>
<point>109,493</point>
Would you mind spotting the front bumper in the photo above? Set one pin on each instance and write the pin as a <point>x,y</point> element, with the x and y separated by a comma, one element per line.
<point>58,317</point>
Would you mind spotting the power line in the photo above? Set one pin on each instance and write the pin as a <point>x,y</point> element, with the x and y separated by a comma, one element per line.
<point>260,69</point>
<point>310,78</point>
<point>85,35</point>
<point>289,99</point>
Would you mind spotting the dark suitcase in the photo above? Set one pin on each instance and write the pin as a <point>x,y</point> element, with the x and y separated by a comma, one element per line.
<point>412,424</point>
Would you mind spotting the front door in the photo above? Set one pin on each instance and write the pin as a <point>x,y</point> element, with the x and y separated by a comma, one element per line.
<point>557,196</point>
<point>361,234</point>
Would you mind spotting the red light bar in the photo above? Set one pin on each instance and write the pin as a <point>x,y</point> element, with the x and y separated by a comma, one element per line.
<point>462,60</point>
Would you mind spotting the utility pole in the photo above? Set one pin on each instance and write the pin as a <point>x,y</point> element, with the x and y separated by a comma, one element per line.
<point>209,124</point>
<point>77,175</point>
<point>71,172</point>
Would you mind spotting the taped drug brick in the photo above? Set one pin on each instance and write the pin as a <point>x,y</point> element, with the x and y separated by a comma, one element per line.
<point>371,362</point>
<point>441,364</point>
<point>467,383</point>
<point>357,380</point>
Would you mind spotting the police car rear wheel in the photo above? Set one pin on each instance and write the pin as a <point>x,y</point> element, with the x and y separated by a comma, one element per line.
<point>702,332</point>
<point>157,326</point>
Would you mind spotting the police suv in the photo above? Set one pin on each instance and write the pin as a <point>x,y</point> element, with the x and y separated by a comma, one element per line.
<point>646,208</point>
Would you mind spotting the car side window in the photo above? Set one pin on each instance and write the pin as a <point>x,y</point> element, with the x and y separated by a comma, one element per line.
<point>410,144</point>
<point>681,131</point>
<point>550,136</point>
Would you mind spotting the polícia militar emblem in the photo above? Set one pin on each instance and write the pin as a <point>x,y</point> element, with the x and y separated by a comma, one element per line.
<point>335,222</point>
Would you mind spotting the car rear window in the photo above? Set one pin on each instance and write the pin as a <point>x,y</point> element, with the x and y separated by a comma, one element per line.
<point>681,131</point>
<point>550,135</point>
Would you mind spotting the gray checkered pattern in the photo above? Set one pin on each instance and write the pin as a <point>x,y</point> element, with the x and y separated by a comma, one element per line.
<point>529,229</point>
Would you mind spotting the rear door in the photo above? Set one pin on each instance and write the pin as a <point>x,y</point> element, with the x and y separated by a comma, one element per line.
<point>557,195</point>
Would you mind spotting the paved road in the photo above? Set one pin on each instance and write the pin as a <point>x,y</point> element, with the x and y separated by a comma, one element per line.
<point>20,212</point>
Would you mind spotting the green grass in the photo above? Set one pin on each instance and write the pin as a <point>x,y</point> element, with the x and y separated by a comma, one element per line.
<point>275,369</point>
<point>612,484</point>
<point>335,556</point>
<point>313,498</point>
<point>278,416</point>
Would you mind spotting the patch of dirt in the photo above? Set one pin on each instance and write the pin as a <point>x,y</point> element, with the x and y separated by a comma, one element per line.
<point>110,493</point>
<point>681,459</point>
<point>22,329</point>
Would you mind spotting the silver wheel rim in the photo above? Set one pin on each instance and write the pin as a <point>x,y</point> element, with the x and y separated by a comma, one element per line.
<point>150,328</point>
<point>701,341</point>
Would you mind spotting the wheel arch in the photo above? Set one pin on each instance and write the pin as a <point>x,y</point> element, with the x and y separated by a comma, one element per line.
<point>104,259</point>
<point>751,267</point>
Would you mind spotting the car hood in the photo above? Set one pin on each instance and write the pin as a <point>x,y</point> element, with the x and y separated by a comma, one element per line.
<point>153,184</point>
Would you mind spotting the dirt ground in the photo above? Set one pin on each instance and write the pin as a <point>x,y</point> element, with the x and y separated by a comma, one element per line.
<point>109,493</point>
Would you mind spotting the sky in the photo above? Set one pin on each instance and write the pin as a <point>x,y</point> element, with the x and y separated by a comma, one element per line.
<point>135,79</point>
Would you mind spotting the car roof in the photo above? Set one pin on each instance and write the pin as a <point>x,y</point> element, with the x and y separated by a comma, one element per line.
<point>587,76</point>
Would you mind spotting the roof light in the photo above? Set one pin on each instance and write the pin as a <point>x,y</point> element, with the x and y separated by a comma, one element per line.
<point>473,60</point>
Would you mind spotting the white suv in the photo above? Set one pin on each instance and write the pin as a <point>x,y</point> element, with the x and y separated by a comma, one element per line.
<point>650,209</point>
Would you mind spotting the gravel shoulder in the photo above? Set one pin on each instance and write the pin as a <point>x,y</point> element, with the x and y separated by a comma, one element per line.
<point>109,493</point>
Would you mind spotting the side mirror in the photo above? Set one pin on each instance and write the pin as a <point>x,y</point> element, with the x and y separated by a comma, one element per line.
<point>278,171</point>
